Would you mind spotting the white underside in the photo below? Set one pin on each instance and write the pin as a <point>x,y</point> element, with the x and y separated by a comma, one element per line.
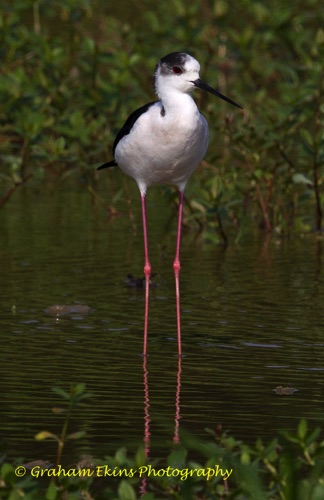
<point>164,149</point>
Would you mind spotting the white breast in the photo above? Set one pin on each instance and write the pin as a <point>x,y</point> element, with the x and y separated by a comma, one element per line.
<point>164,149</point>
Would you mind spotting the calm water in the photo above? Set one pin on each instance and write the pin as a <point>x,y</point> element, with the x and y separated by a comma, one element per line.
<point>252,319</point>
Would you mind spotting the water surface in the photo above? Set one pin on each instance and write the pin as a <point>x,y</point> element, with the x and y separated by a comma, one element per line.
<point>252,320</point>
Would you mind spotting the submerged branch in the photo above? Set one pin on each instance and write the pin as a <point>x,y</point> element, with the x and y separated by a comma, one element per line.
<point>10,191</point>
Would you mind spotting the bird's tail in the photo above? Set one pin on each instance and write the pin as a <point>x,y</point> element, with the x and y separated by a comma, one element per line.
<point>111,163</point>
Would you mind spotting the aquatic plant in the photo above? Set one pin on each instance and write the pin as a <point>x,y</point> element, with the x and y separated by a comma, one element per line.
<point>73,398</point>
<point>290,466</point>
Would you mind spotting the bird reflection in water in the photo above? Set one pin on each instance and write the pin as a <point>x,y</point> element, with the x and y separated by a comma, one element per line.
<point>147,418</point>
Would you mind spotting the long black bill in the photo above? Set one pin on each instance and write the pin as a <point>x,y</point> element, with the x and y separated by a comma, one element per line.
<point>204,86</point>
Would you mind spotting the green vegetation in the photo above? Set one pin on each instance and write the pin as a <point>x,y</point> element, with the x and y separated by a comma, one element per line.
<point>72,70</point>
<point>291,467</point>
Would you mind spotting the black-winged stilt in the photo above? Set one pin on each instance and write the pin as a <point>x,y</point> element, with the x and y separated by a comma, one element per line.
<point>162,143</point>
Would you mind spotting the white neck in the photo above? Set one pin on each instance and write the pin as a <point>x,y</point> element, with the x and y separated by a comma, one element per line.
<point>173,99</point>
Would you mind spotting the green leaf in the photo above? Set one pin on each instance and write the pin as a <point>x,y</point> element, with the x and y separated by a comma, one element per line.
<point>140,458</point>
<point>61,392</point>
<point>120,456</point>
<point>245,458</point>
<point>78,389</point>
<point>318,492</point>
<point>177,458</point>
<point>6,469</point>
<point>51,493</point>
<point>76,435</point>
<point>302,429</point>
<point>313,436</point>
<point>126,491</point>
<point>306,136</point>
<point>78,393</point>
<point>301,179</point>
<point>46,435</point>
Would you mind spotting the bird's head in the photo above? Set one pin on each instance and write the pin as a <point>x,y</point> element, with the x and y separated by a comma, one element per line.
<point>179,71</point>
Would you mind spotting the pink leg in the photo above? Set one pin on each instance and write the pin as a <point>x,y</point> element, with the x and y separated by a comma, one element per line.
<point>147,272</point>
<point>176,268</point>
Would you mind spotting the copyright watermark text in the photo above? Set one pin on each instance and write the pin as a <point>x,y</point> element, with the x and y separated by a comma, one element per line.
<point>144,471</point>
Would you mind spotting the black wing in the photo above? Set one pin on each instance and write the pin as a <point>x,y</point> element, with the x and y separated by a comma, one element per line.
<point>125,130</point>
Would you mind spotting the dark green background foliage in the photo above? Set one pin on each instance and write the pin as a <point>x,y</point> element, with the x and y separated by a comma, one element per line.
<point>72,70</point>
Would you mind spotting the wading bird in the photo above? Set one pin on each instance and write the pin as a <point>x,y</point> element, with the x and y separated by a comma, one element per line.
<point>162,143</point>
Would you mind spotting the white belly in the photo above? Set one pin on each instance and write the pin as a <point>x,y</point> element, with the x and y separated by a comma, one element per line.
<point>163,150</point>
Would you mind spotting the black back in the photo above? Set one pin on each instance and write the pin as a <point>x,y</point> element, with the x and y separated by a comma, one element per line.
<point>125,130</point>
<point>129,123</point>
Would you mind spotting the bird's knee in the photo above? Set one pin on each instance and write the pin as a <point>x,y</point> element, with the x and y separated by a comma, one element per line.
<point>147,269</point>
<point>176,266</point>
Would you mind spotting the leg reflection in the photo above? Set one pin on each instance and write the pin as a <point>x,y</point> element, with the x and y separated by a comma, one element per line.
<point>147,419</point>
<point>177,405</point>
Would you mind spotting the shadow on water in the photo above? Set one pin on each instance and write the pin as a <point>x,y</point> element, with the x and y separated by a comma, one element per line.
<point>252,320</point>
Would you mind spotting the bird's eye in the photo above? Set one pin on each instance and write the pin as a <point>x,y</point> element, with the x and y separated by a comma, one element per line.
<point>177,70</point>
